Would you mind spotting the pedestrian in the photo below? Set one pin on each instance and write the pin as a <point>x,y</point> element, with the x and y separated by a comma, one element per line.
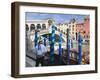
<point>41,50</point>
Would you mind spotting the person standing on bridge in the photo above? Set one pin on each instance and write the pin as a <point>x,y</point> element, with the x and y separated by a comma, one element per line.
<point>40,53</point>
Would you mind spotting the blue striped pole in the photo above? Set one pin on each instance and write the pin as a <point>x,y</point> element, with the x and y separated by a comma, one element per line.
<point>36,38</point>
<point>79,48</point>
<point>68,46</point>
<point>60,47</point>
<point>44,41</point>
<point>52,45</point>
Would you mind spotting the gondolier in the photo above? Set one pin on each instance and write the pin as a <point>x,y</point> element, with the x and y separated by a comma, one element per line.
<point>40,53</point>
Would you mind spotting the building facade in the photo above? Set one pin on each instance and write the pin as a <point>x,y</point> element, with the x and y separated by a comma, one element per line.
<point>73,26</point>
<point>84,28</point>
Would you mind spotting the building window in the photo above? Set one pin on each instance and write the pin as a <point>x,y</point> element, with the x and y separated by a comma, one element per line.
<point>59,30</point>
<point>69,26</point>
<point>43,26</point>
<point>62,31</point>
<point>84,36</point>
<point>27,28</point>
<point>87,36</point>
<point>73,29</point>
<point>38,26</point>
<point>84,32</point>
<point>32,27</point>
<point>69,29</point>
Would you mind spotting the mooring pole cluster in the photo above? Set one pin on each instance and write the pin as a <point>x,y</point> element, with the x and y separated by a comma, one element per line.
<point>69,43</point>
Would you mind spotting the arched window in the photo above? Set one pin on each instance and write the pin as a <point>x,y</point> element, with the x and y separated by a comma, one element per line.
<point>73,38</point>
<point>62,31</point>
<point>27,28</point>
<point>32,27</point>
<point>43,26</point>
<point>38,26</point>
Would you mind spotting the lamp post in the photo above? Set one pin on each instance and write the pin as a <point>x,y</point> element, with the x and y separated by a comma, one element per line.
<point>36,38</point>
<point>68,46</point>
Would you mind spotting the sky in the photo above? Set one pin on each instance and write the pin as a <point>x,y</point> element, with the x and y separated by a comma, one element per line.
<point>59,18</point>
